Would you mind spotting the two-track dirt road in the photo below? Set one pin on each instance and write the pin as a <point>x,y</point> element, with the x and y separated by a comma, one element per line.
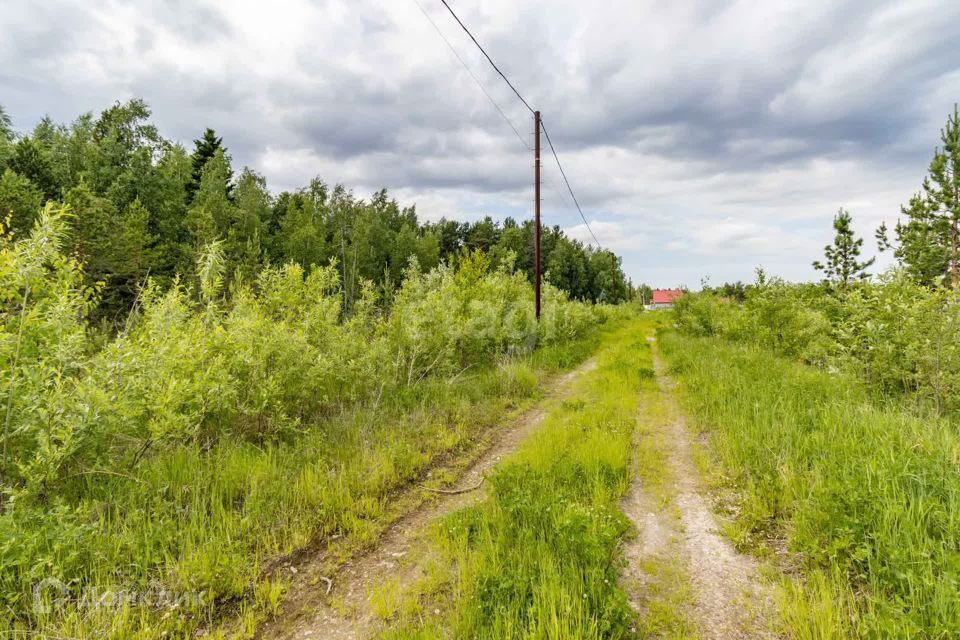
<point>681,575</point>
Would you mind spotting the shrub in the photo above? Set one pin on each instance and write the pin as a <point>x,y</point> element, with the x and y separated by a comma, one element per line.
<point>219,427</point>
<point>195,365</point>
<point>896,335</point>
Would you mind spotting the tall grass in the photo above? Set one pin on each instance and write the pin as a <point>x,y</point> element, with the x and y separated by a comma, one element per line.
<point>539,558</point>
<point>865,493</point>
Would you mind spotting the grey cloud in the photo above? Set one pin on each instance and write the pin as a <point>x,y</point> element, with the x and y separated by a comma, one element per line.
<point>32,32</point>
<point>719,101</point>
<point>192,20</point>
<point>659,109</point>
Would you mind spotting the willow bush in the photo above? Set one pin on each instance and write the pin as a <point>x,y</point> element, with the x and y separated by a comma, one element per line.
<point>224,426</point>
<point>196,364</point>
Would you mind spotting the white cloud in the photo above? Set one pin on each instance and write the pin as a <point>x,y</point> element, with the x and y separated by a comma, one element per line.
<point>737,236</point>
<point>614,236</point>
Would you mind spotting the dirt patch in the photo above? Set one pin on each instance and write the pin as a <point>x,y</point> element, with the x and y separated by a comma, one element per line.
<point>728,600</point>
<point>343,603</point>
<point>655,540</point>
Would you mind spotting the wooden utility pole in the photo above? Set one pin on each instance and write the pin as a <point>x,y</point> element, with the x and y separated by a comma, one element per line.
<point>536,221</point>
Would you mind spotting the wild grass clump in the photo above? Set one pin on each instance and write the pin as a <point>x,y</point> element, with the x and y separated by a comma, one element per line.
<point>866,494</point>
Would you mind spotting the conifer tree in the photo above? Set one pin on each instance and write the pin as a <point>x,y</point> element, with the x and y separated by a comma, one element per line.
<point>21,200</point>
<point>929,239</point>
<point>205,149</point>
<point>167,205</point>
<point>30,161</point>
<point>842,257</point>
<point>211,209</point>
<point>243,233</point>
<point>115,246</point>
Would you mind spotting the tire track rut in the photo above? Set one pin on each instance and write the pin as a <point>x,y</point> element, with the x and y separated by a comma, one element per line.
<point>345,610</point>
<point>727,599</point>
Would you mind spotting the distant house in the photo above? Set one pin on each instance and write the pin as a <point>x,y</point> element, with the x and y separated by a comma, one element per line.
<point>664,298</point>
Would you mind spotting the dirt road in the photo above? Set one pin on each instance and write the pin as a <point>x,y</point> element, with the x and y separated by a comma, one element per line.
<point>683,576</point>
<point>344,604</point>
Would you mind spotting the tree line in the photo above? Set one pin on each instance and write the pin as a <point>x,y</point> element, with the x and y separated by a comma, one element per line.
<point>145,206</point>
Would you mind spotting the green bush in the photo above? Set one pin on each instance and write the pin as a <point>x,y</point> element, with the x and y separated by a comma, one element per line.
<point>219,428</point>
<point>195,366</point>
<point>43,353</point>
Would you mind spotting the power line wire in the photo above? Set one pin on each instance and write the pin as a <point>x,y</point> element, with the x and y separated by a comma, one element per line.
<point>525,103</point>
<point>569,188</point>
<point>489,59</point>
<point>474,76</point>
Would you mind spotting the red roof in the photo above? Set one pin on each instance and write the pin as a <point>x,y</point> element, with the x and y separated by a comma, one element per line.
<point>666,296</point>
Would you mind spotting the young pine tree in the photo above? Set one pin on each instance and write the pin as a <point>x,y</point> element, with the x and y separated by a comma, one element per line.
<point>843,256</point>
<point>29,160</point>
<point>21,200</point>
<point>211,210</point>
<point>929,240</point>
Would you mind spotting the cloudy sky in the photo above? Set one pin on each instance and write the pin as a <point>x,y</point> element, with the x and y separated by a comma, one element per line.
<point>703,138</point>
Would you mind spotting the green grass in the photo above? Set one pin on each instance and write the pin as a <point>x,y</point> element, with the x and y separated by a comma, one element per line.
<point>204,522</point>
<point>669,598</point>
<point>865,495</point>
<point>539,558</point>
